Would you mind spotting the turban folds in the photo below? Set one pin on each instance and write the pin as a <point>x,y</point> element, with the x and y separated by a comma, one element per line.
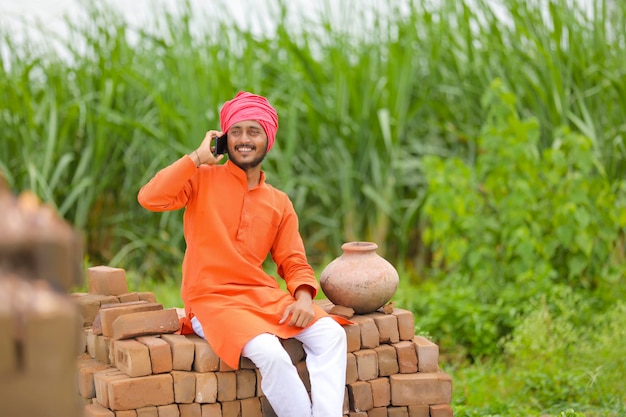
<point>248,106</point>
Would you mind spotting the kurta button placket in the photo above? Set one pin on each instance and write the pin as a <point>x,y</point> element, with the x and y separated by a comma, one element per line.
<point>244,222</point>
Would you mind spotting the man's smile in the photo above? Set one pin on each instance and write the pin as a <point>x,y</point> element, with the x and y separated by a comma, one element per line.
<point>244,148</point>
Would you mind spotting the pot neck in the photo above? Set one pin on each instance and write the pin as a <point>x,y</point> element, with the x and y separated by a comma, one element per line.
<point>359,247</point>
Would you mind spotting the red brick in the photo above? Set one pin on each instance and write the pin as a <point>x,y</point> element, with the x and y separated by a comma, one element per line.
<point>105,280</point>
<point>82,341</point>
<point>267,409</point>
<point>259,380</point>
<point>246,363</point>
<point>130,297</point>
<point>209,410</point>
<point>303,373</point>
<point>381,392</point>
<point>150,411</point>
<point>441,410</point>
<point>226,386</point>
<point>406,323</point>
<point>387,360</point>
<point>145,391</point>
<point>147,296</point>
<point>109,314</point>
<point>360,394</point>
<point>251,407</point>
<point>118,303</point>
<point>294,349</point>
<point>377,412</point>
<point>421,388</point>
<point>132,357</point>
<point>387,325</point>
<point>51,325</point>
<point>353,336</point>
<point>29,395</point>
<point>427,354</point>
<point>91,342</point>
<point>419,410</point>
<point>357,414</point>
<point>89,306</point>
<point>366,364</point>
<point>397,412</point>
<point>183,351</point>
<point>224,367</point>
<point>96,326</point>
<point>160,353</point>
<point>170,410</point>
<point>407,356</point>
<point>246,383</point>
<point>184,386</point>
<point>103,348</point>
<point>96,410</point>
<point>86,370</point>
<point>191,410</point>
<point>100,380</point>
<point>231,408</point>
<point>146,323</point>
<point>370,337</point>
<point>352,374</point>
<point>206,387</point>
<point>342,311</point>
<point>126,413</point>
<point>205,358</point>
<point>8,351</point>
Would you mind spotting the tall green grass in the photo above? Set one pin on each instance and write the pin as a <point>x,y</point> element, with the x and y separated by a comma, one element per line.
<point>361,100</point>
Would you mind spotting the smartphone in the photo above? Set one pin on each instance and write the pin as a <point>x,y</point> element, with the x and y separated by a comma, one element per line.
<point>220,145</point>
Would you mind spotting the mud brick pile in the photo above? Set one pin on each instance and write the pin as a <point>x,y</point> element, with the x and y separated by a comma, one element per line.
<point>40,329</point>
<point>135,365</point>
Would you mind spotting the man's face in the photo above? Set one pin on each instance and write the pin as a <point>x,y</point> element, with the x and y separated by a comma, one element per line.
<point>247,144</point>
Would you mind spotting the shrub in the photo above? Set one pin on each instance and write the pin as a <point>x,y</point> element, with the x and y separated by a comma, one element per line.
<point>515,223</point>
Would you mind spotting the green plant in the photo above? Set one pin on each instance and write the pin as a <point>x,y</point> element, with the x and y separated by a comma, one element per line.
<point>87,118</point>
<point>516,223</point>
<point>571,413</point>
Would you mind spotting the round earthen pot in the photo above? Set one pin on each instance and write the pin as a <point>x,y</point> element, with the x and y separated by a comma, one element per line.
<point>359,278</point>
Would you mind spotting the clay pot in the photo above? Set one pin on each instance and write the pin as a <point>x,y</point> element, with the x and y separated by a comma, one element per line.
<point>359,278</point>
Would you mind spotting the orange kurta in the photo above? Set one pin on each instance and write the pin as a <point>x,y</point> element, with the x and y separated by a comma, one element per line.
<point>229,230</point>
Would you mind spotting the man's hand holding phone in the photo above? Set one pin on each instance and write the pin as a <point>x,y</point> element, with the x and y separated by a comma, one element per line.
<point>206,152</point>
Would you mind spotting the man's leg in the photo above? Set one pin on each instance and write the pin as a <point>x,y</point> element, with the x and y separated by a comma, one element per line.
<point>280,381</point>
<point>326,351</point>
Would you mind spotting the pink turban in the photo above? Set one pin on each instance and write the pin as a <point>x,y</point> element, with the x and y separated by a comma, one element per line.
<point>248,106</point>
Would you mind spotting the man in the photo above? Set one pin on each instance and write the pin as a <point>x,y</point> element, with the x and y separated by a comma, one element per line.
<point>232,220</point>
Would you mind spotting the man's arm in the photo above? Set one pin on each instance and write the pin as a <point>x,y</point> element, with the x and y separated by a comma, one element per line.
<point>289,255</point>
<point>170,188</point>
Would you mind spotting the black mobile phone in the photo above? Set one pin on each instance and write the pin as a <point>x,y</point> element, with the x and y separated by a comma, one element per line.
<point>220,145</point>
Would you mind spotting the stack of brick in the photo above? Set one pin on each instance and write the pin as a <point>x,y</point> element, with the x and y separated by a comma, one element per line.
<point>40,332</point>
<point>135,365</point>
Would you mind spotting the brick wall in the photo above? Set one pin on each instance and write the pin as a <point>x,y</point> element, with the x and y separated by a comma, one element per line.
<point>134,365</point>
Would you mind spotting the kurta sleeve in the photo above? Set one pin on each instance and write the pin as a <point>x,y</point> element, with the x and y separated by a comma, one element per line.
<point>289,254</point>
<point>170,188</point>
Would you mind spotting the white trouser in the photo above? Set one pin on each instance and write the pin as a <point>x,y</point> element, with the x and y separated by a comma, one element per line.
<point>325,345</point>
